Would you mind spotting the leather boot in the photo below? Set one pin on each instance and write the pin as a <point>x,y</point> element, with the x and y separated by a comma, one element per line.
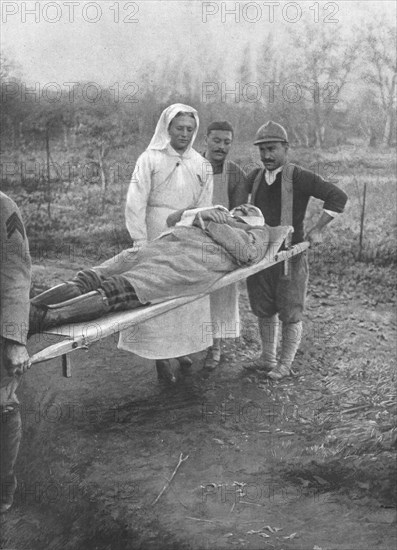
<point>185,361</point>
<point>268,329</point>
<point>213,355</point>
<point>11,431</point>
<point>83,308</point>
<point>291,338</point>
<point>57,294</point>
<point>165,372</point>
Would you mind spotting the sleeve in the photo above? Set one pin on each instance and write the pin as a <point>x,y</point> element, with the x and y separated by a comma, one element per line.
<point>250,178</point>
<point>15,274</point>
<point>188,218</point>
<point>238,186</point>
<point>207,179</point>
<point>175,217</point>
<point>137,199</point>
<point>237,242</point>
<point>314,185</point>
<point>331,213</point>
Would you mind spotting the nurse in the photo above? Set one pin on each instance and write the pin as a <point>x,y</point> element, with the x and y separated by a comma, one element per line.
<point>169,176</point>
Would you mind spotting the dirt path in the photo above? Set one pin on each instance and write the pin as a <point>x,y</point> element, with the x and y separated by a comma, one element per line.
<point>302,464</point>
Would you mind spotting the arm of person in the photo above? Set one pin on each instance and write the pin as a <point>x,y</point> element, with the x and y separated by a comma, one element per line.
<point>250,178</point>
<point>245,244</point>
<point>334,201</point>
<point>15,279</point>
<point>205,198</point>
<point>315,234</point>
<point>191,216</point>
<point>238,186</point>
<point>175,217</point>
<point>218,214</point>
<point>137,199</point>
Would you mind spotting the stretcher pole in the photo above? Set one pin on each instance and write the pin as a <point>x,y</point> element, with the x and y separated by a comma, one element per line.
<point>115,322</point>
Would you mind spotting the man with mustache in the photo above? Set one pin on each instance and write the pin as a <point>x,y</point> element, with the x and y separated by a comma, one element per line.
<point>230,190</point>
<point>282,191</point>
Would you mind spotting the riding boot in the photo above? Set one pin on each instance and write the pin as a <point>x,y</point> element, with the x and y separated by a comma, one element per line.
<point>116,295</point>
<point>57,294</point>
<point>82,308</point>
<point>291,338</point>
<point>268,329</point>
<point>165,372</point>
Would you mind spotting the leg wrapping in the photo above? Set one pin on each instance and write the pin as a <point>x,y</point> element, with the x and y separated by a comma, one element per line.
<point>291,339</point>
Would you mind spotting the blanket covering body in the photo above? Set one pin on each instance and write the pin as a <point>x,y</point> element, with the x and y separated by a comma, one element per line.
<point>189,260</point>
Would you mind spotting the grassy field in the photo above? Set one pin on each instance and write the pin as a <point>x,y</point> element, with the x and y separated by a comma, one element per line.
<point>81,227</point>
<point>332,431</point>
<point>76,219</point>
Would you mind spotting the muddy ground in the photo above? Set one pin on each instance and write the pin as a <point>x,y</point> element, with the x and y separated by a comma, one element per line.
<point>306,463</point>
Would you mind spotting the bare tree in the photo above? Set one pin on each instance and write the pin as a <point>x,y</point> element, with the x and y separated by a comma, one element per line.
<point>380,71</point>
<point>322,61</point>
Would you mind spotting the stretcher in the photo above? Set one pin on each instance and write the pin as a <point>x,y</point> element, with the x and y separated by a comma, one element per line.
<point>79,336</point>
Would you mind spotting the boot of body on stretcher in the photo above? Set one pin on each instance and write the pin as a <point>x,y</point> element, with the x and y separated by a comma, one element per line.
<point>86,307</point>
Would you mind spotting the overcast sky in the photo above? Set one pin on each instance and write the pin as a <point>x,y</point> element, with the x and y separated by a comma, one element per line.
<point>107,41</point>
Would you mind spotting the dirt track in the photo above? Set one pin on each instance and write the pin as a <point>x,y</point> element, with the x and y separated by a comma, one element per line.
<point>271,465</point>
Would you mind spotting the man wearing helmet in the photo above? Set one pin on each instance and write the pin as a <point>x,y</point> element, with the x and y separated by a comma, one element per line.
<point>282,191</point>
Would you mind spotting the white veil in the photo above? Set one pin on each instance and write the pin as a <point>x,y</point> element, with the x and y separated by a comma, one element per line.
<point>161,137</point>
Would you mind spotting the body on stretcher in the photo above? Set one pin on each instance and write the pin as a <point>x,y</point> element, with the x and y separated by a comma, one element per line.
<point>81,335</point>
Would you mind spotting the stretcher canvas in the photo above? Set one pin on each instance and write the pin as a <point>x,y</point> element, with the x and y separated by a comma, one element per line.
<point>80,335</point>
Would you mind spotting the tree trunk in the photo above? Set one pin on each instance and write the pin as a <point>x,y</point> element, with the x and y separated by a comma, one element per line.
<point>360,241</point>
<point>316,135</point>
<point>373,142</point>
<point>390,114</point>
<point>318,126</point>
<point>322,136</point>
<point>104,182</point>
<point>14,136</point>
<point>389,128</point>
<point>47,143</point>
<point>65,136</point>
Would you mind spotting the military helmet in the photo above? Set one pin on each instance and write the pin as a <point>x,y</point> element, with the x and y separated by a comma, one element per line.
<point>271,131</point>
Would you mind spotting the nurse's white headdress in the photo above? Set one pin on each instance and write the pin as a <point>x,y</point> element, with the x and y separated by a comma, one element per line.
<point>161,137</point>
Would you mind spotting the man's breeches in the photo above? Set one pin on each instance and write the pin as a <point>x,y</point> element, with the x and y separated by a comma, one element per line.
<point>271,292</point>
<point>116,288</point>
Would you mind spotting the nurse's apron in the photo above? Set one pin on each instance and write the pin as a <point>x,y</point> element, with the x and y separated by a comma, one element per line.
<point>186,329</point>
